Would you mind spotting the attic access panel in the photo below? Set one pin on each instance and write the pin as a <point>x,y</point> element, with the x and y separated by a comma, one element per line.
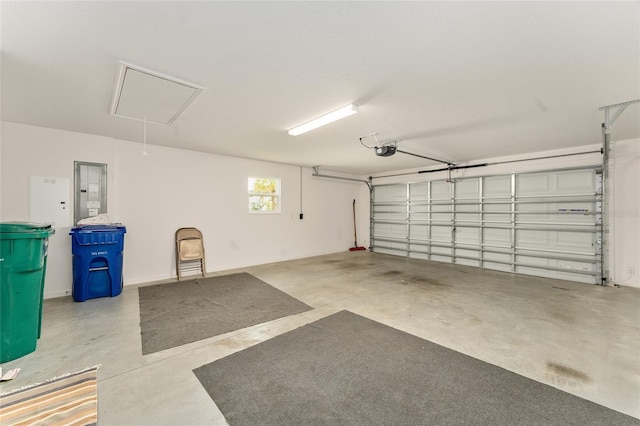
<point>141,94</point>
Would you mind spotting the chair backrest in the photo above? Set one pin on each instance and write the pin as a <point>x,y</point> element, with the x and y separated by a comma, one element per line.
<point>189,244</point>
<point>189,249</point>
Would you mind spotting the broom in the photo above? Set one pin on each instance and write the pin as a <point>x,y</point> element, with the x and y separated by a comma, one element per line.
<point>355,233</point>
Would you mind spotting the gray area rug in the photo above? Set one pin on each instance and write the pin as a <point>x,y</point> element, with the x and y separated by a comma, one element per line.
<point>187,311</point>
<point>346,369</point>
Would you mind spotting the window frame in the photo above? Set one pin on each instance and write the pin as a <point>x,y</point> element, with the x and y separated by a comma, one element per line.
<point>277,195</point>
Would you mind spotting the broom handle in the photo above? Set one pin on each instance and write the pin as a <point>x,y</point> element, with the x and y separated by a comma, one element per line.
<point>355,232</point>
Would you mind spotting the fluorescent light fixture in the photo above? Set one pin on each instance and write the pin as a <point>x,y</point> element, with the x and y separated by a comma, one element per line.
<point>325,119</point>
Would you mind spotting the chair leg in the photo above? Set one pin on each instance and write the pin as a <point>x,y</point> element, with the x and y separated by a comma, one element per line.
<point>177,260</point>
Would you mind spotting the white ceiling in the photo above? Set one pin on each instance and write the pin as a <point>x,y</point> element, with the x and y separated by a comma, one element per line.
<point>460,81</point>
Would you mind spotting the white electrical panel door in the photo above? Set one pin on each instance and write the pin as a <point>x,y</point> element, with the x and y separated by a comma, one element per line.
<point>49,201</point>
<point>90,190</point>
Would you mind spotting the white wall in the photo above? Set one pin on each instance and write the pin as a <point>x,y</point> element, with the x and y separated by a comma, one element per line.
<point>171,188</point>
<point>625,213</point>
<point>624,252</point>
<point>36,151</point>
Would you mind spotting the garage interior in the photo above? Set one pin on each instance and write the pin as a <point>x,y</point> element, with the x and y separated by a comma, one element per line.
<point>490,168</point>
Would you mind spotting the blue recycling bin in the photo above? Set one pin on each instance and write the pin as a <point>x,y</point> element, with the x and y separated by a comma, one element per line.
<point>97,260</point>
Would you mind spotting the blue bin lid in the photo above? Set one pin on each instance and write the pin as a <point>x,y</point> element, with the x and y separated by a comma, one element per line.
<point>118,227</point>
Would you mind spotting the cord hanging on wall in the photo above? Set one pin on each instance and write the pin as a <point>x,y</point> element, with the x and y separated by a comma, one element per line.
<point>301,215</point>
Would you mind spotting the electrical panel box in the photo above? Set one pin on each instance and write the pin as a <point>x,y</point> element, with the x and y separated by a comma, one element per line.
<point>90,191</point>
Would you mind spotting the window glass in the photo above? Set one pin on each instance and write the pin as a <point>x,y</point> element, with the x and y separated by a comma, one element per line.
<point>264,195</point>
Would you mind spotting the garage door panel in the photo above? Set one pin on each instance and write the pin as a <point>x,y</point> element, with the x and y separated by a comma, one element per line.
<point>534,239</point>
<point>568,182</point>
<point>556,220</point>
<point>537,261</point>
<point>497,207</point>
<point>497,237</point>
<point>419,191</point>
<point>575,182</point>
<point>418,208</point>
<point>497,186</point>
<point>473,254</point>
<point>419,232</point>
<point>558,275</point>
<point>441,190</point>
<point>542,223</point>
<point>568,265</point>
<point>441,254</point>
<point>390,212</point>
<point>467,208</point>
<point>472,218</point>
<point>419,246</point>
<point>497,266</point>
<point>401,209</point>
<point>468,235</point>
<point>533,184</point>
<point>468,188</point>
<point>563,213</point>
<point>441,208</point>
<point>419,255</point>
<point>391,216</point>
<point>390,193</point>
<point>493,213</point>
<point>574,207</point>
<point>397,251</point>
<point>441,217</point>
<point>469,257</point>
<point>497,257</point>
<point>390,230</point>
<point>497,219</point>
<point>441,233</point>
<point>467,262</point>
<point>554,240</point>
<point>573,241</point>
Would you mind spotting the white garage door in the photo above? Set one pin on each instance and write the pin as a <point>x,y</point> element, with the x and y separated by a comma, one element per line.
<point>545,224</point>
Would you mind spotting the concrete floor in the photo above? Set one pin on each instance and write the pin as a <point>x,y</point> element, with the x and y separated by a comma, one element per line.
<point>583,339</point>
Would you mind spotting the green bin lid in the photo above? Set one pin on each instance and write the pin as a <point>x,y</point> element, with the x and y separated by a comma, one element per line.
<point>24,229</point>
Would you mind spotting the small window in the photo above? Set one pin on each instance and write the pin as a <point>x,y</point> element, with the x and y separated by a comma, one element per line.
<point>264,195</point>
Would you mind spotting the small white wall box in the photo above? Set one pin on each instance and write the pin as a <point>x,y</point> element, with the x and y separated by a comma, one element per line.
<point>49,201</point>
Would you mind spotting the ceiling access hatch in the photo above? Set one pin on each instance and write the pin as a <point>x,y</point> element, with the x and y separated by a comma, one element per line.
<point>149,96</point>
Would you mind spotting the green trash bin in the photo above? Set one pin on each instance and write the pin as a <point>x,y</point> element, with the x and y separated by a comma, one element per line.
<point>23,262</point>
